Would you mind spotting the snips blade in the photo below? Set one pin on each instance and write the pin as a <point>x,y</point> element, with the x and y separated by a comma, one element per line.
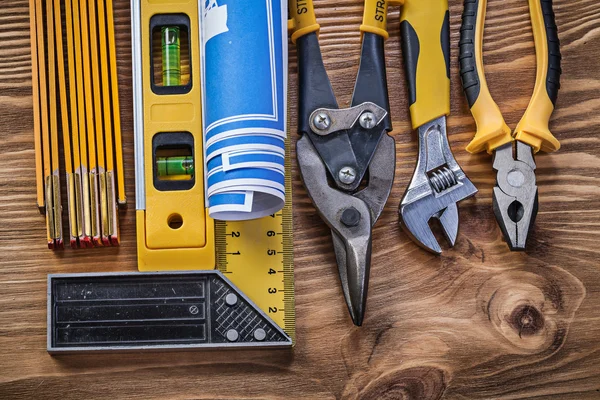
<point>350,216</point>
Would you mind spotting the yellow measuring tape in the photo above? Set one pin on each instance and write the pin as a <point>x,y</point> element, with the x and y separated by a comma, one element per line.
<point>258,257</point>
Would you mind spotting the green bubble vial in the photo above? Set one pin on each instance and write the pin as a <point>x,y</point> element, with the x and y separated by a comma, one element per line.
<point>175,166</point>
<point>171,56</point>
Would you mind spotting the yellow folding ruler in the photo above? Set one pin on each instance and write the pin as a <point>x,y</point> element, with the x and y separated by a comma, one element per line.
<point>76,113</point>
<point>174,231</point>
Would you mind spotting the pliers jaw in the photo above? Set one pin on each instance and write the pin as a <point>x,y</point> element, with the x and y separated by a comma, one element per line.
<point>515,199</point>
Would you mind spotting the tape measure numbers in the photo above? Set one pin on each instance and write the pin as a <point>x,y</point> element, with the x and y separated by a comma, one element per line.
<point>258,257</point>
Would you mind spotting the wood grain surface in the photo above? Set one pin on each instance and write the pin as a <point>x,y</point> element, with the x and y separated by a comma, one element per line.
<point>477,322</point>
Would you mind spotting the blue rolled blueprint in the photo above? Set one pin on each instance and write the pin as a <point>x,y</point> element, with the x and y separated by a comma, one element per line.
<point>244,91</point>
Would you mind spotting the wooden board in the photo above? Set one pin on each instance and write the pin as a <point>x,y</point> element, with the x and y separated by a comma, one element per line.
<point>449,325</point>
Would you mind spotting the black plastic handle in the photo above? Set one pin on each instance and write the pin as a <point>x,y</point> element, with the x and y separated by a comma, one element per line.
<point>554,56</point>
<point>468,64</point>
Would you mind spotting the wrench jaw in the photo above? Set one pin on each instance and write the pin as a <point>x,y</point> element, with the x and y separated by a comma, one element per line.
<point>515,199</point>
<point>436,188</point>
<point>416,226</point>
<point>415,217</point>
<point>449,221</point>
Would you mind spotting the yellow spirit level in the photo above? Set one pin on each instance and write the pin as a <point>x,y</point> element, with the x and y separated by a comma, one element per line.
<point>174,231</point>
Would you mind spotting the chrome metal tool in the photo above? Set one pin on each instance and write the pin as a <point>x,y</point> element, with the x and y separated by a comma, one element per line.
<point>346,157</point>
<point>438,183</point>
<point>515,200</point>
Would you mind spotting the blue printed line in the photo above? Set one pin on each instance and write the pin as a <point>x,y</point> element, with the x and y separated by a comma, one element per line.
<point>233,198</point>
<point>258,140</point>
<point>247,173</point>
<point>274,158</point>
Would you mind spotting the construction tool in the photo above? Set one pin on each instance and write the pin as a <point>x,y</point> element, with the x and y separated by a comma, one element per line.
<point>75,118</point>
<point>75,84</point>
<point>154,311</point>
<point>174,230</point>
<point>91,98</point>
<point>99,169</point>
<point>48,100</point>
<point>256,256</point>
<point>515,198</point>
<point>116,176</point>
<point>345,145</point>
<point>37,116</point>
<point>438,183</point>
<point>82,172</point>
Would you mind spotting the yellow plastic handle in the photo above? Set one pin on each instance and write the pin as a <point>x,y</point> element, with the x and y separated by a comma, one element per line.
<point>492,130</point>
<point>533,127</point>
<point>303,20</point>
<point>375,16</point>
<point>426,49</point>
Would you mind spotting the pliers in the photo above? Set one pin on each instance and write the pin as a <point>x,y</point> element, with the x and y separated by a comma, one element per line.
<point>515,197</point>
<point>438,183</point>
<point>346,157</point>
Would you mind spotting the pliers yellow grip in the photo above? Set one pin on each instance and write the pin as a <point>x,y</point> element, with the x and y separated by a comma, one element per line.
<point>515,196</point>
<point>492,130</point>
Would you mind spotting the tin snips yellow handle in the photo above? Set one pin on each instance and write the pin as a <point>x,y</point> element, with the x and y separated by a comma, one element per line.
<point>303,19</point>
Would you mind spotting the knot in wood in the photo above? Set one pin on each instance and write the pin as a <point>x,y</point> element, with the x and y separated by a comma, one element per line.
<point>413,383</point>
<point>526,320</point>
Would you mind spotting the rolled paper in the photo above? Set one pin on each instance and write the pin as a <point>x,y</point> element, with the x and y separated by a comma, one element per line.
<point>244,91</point>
